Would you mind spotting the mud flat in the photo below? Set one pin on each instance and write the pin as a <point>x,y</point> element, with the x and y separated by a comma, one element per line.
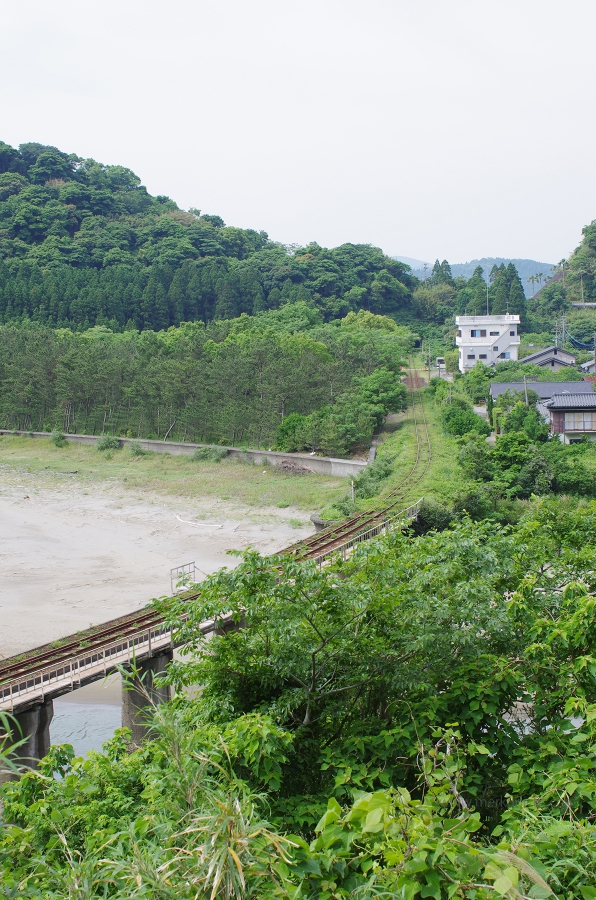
<point>76,553</point>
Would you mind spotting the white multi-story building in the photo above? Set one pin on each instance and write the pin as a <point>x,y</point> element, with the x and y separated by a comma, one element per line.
<point>488,339</point>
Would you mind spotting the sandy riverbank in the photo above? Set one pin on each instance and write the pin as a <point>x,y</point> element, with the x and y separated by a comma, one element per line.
<point>74,555</point>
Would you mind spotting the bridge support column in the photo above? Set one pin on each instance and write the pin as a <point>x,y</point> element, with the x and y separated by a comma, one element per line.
<point>34,725</point>
<point>136,707</point>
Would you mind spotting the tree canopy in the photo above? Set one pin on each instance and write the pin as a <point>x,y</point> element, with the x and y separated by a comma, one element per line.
<point>84,244</point>
<point>233,382</point>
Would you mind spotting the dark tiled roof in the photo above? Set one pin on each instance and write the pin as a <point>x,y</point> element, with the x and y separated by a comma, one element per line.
<point>572,401</point>
<point>561,355</point>
<point>544,389</point>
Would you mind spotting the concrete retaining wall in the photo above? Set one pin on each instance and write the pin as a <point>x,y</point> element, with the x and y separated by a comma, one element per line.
<point>319,465</point>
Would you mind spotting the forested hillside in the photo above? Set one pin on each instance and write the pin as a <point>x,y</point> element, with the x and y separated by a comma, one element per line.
<point>578,274</point>
<point>527,269</point>
<point>84,244</point>
<point>231,382</point>
<point>442,296</point>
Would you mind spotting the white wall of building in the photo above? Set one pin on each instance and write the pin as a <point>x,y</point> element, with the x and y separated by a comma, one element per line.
<point>486,339</point>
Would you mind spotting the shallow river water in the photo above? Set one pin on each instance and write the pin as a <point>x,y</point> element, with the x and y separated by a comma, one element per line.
<point>89,716</point>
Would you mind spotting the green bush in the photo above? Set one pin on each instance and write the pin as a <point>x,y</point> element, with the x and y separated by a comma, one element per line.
<point>107,442</point>
<point>58,438</point>
<point>210,454</point>
<point>459,418</point>
<point>291,434</point>
<point>332,709</point>
<point>370,481</point>
<point>432,516</point>
<point>136,449</point>
<point>477,382</point>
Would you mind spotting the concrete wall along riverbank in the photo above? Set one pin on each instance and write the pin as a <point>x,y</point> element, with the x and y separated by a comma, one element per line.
<point>299,463</point>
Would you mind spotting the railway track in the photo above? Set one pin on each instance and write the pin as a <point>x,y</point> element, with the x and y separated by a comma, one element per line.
<point>89,645</point>
<point>335,535</point>
<point>84,645</point>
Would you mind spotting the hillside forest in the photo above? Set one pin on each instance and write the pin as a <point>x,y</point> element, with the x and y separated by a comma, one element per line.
<point>85,244</point>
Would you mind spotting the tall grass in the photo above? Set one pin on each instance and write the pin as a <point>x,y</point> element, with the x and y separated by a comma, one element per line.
<point>162,474</point>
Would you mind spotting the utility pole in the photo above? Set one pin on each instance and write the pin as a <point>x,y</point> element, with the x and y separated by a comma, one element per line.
<point>563,324</point>
<point>526,390</point>
<point>487,311</point>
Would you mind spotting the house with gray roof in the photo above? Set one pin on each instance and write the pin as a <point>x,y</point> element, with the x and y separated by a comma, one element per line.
<point>572,416</point>
<point>554,358</point>
<point>544,389</point>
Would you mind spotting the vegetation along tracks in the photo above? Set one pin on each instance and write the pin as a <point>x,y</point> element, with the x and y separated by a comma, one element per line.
<point>335,536</point>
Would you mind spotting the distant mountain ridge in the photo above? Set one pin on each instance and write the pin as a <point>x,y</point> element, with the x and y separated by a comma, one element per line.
<point>525,268</point>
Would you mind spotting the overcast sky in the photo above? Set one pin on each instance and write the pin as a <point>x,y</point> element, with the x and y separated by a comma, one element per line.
<point>428,127</point>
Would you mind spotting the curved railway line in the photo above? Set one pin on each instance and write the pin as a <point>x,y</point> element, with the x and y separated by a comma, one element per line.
<point>90,646</point>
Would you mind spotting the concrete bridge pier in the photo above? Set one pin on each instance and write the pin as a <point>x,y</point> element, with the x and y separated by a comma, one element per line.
<point>34,725</point>
<point>136,701</point>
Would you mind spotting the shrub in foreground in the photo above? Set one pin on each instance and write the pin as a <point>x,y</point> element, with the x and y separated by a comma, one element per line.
<point>107,442</point>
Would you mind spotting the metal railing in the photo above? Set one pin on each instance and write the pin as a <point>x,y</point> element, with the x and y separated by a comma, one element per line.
<point>59,678</point>
<point>69,674</point>
<point>388,524</point>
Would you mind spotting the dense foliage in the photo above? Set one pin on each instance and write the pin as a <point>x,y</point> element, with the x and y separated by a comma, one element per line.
<point>459,418</point>
<point>442,297</point>
<point>84,244</point>
<point>418,721</point>
<point>524,459</point>
<point>578,274</point>
<point>242,381</point>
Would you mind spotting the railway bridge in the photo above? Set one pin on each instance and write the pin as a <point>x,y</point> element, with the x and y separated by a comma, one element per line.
<point>31,681</point>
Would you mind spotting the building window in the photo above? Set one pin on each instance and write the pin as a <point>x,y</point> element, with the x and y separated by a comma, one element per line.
<point>504,355</point>
<point>482,356</point>
<point>496,349</point>
<point>459,333</point>
<point>512,334</point>
<point>471,356</point>
<point>580,421</point>
<point>494,334</point>
<point>552,362</point>
<point>478,332</point>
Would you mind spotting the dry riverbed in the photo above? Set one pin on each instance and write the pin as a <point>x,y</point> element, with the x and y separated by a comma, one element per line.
<point>86,537</point>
